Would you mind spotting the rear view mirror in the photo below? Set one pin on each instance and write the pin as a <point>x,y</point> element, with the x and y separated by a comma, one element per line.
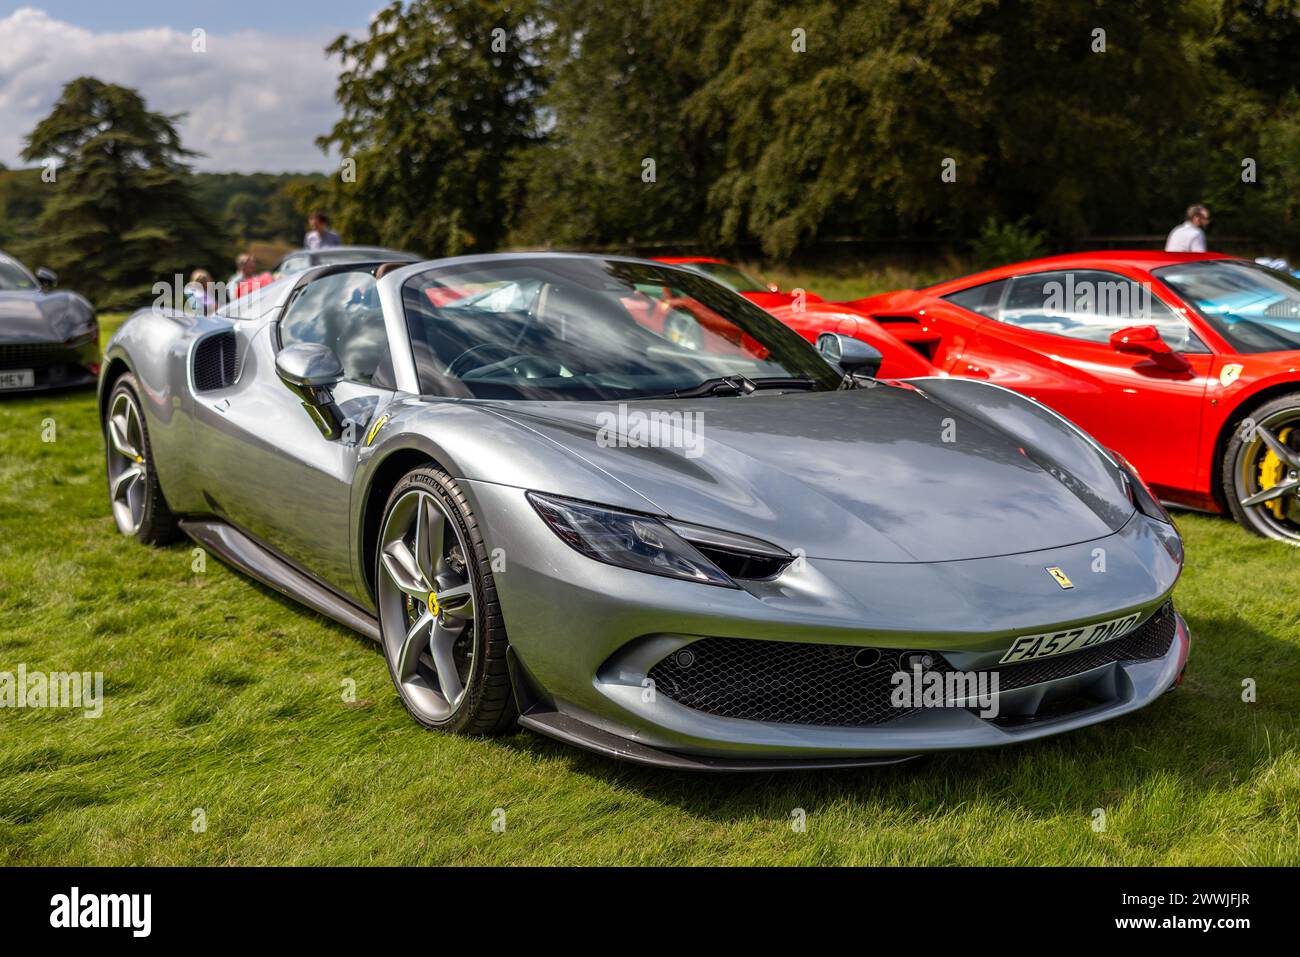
<point>1145,341</point>
<point>311,371</point>
<point>47,277</point>
<point>852,355</point>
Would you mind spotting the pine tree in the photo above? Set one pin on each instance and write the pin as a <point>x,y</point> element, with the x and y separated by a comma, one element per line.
<point>123,213</point>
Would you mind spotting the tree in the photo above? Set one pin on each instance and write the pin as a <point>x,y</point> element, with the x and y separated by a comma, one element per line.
<point>435,100</point>
<point>122,212</point>
<point>621,163</point>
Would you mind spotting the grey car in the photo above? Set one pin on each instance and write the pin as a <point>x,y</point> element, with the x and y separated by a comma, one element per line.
<point>49,339</point>
<point>300,260</point>
<point>741,553</point>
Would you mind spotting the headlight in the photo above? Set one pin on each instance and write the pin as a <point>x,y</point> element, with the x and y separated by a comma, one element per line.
<point>646,544</point>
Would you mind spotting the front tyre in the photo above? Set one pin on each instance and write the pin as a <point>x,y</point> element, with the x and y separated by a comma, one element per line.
<point>133,490</point>
<point>1261,470</point>
<point>440,624</point>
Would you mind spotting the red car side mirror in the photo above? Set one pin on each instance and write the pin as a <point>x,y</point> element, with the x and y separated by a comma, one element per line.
<point>1145,341</point>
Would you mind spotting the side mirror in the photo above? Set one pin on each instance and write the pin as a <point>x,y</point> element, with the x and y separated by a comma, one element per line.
<point>852,355</point>
<point>1145,341</point>
<point>47,277</point>
<point>310,371</point>
<point>773,287</point>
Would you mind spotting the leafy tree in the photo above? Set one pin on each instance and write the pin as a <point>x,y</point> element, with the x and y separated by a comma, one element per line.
<point>621,165</point>
<point>243,210</point>
<point>122,212</point>
<point>21,200</point>
<point>435,99</point>
<point>1014,99</point>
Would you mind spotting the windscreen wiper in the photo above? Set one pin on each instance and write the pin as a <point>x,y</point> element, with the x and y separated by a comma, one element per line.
<point>738,385</point>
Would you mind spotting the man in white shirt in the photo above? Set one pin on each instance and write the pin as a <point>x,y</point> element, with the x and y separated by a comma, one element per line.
<point>319,235</point>
<point>1189,237</point>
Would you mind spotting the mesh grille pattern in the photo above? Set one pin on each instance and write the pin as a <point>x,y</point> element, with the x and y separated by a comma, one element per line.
<point>1149,640</point>
<point>794,683</point>
<point>214,362</point>
<point>21,355</point>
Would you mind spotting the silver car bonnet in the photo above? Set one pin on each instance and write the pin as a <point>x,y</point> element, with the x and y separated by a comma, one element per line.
<point>885,474</point>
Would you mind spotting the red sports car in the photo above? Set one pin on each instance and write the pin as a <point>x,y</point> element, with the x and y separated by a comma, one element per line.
<point>1188,365</point>
<point>764,294</point>
<point>810,315</point>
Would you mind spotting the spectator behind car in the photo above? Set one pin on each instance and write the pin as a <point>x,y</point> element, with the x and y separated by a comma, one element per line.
<point>199,295</point>
<point>248,278</point>
<point>1189,236</point>
<point>319,235</point>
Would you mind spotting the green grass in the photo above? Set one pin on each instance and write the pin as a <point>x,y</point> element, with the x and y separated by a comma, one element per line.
<point>223,696</point>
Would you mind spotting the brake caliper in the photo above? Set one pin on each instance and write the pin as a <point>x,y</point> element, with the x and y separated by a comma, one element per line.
<point>1272,471</point>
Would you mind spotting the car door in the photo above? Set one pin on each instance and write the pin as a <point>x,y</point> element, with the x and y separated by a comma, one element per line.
<point>1050,339</point>
<point>269,470</point>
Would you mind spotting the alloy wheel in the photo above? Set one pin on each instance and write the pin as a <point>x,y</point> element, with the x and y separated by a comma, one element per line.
<point>427,605</point>
<point>128,472</point>
<point>1267,474</point>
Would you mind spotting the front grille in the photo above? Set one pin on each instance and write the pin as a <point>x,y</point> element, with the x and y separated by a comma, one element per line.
<point>1149,640</point>
<point>849,686</point>
<point>27,355</point>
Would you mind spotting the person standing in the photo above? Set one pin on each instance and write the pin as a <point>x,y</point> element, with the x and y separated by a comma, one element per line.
<point>1189,236</point>
<point>248,278</point>
<point>319,235</point>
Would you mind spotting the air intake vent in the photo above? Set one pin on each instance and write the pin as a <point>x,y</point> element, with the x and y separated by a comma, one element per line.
<point>215,364</point>
<point>850,686</point>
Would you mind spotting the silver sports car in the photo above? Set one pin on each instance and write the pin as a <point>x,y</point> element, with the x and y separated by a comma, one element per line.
<point>725,551</point>
<point>48,339</point>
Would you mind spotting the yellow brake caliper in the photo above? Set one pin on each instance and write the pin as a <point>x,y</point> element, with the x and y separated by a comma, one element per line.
<point>1272,471</point>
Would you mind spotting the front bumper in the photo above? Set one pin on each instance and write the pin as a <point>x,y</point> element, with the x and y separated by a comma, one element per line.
<point>586,636</point>
<point>54,365</point>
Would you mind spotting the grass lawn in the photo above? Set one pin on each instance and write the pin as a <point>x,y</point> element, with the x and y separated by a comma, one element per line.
<point>222,696</point>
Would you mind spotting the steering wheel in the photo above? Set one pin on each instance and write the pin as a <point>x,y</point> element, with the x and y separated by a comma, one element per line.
<point>459,365</point>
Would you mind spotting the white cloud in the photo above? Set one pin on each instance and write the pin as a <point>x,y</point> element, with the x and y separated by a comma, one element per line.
<point>255,101</point>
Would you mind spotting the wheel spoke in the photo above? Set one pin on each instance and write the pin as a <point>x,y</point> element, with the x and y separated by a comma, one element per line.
<point>121,486</point>
<point>1270,493</point>
<point>441,640</point>
<point>458,602</point>
<point>429,531</point>
<point>401,566</point>
<point>117,434</point>
<point>1276,446</point>
<point>417,640</point>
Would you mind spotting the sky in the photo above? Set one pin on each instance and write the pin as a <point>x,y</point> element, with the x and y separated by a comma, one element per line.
<point>256,98</point>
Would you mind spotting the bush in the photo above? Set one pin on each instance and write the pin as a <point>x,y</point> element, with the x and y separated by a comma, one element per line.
<point>1000,243</point>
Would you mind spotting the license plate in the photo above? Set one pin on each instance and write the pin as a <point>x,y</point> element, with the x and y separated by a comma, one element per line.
<point>1031,647</point>
<point>17,379</point>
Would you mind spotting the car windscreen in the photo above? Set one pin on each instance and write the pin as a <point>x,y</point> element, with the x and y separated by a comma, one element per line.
<point>583,328</point>
<point>1256,309</point>
<point>14,277</point>
<point>732,276</point>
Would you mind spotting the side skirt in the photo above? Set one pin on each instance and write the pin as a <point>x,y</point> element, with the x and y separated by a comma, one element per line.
<point>259,562</point>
